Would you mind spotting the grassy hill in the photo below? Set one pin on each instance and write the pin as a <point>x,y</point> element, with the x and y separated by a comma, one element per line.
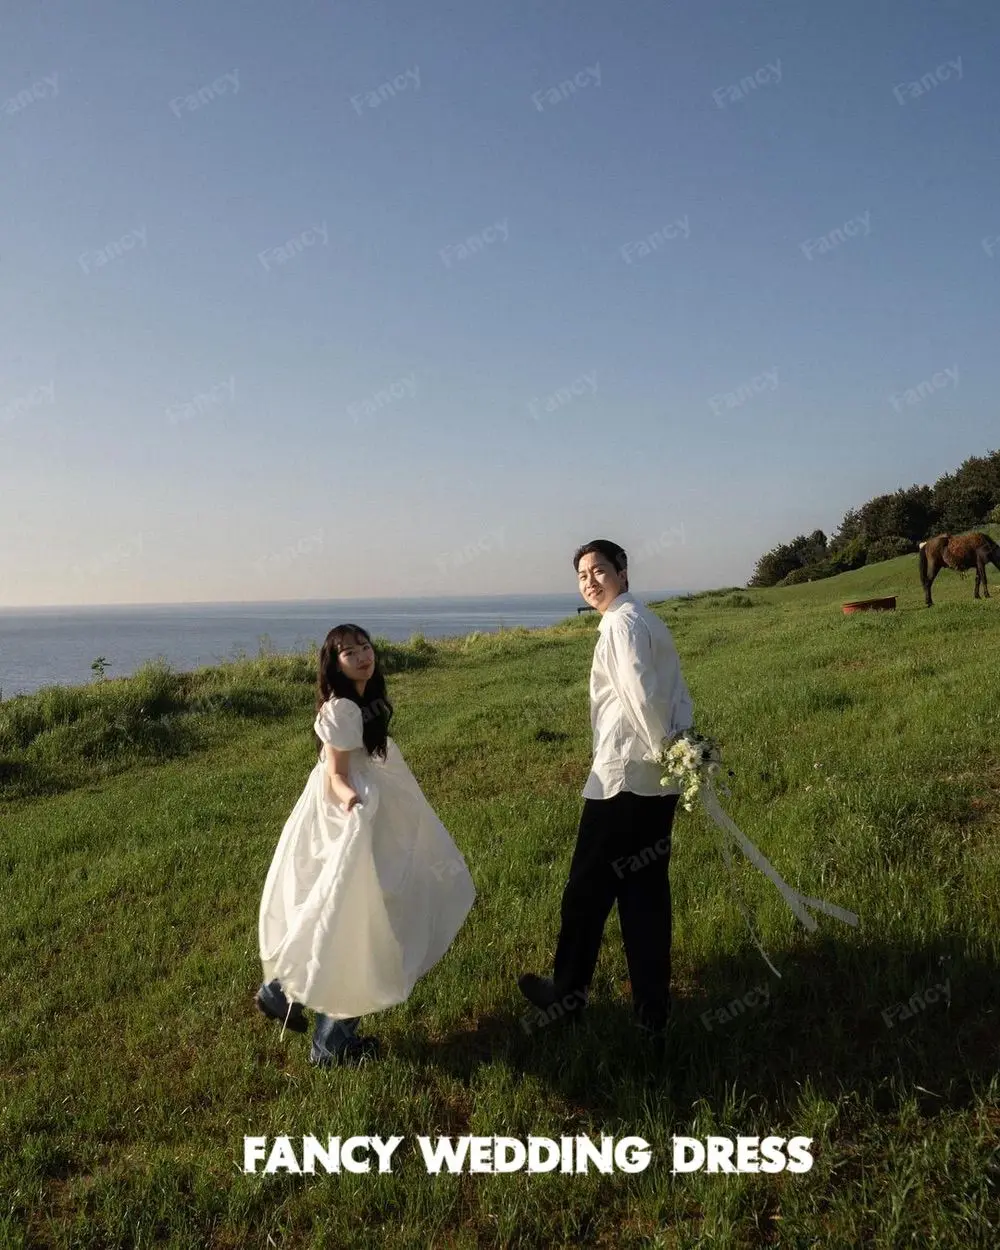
<point>139,818</point>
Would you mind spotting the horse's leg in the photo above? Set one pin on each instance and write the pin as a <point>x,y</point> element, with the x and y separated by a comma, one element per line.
<point>932,572</point>
<point>981,570</point>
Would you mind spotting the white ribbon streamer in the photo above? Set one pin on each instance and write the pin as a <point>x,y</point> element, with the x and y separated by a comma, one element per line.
<point>799,903</point>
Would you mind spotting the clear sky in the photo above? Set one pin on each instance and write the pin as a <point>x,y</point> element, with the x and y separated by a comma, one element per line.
<point>328,300</point>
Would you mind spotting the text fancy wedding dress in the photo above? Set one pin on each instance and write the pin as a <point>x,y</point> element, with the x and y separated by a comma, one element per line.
<point>357,906</point>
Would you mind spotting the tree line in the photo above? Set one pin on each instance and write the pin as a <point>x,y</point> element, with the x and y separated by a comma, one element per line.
<point>889,525</point>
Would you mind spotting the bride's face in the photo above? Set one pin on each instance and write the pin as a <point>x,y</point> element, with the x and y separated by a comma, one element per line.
<point>357,659</point>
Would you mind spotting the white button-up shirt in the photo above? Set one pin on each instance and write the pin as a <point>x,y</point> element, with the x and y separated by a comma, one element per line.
<point>637,698</point>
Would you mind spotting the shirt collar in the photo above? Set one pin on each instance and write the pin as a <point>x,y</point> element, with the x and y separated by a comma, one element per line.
<point>616,605</point>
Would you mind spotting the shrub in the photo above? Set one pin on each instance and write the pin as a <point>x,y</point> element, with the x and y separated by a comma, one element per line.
<point>397,657</point>
<point>889,548</point>
<point>851,556</point>
<point>737,601</point>
<point>150,691</point>
<point>250,699</point>
<point>796,577</point>
<point>26,716</point>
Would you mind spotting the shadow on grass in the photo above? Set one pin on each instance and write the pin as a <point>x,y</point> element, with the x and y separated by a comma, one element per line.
<point>843,1019</point>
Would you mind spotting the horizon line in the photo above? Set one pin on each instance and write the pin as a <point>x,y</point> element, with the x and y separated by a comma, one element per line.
<point>240,603</point>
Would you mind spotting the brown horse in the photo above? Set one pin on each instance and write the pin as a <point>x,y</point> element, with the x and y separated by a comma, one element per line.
<point>968,551</point>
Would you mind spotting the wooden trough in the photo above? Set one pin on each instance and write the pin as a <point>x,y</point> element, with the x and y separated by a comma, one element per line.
<point>870,605</point>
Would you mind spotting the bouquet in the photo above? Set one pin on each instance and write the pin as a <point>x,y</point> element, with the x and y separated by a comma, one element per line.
<point>695,761</point>
<point>692,759</point>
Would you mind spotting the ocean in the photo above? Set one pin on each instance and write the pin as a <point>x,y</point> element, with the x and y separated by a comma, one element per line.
<point>56,646</point>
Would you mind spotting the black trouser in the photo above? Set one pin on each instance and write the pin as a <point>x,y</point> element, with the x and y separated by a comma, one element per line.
<point>622,852</point>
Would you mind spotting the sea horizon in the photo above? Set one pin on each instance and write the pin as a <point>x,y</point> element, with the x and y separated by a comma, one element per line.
<point>58,645</point>
<point>654,595</point>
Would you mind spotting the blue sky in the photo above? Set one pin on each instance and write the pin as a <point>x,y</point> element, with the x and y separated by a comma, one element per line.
<point>259,339</point>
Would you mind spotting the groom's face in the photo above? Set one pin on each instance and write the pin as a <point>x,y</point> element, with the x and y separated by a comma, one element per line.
<point>599,581</point>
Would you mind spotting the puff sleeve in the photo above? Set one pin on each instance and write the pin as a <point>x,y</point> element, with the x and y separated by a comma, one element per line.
<point>339,725</point>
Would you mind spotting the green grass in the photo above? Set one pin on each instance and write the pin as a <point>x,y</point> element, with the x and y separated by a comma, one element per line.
<point>139,818</point>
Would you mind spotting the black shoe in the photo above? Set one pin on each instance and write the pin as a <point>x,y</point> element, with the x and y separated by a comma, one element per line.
<point>539,991</point>
<point>653,1025</point>
<point>654,1033</point>
<point>273,1003</point>
<point>542,993</point>
<point>652,1028</point>
<point>360,1049</point>
<point>353,1052</point>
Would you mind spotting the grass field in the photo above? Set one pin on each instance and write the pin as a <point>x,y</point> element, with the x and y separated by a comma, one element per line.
<point>139,818</point>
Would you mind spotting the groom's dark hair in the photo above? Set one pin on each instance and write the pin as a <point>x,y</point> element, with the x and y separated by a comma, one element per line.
<point>604,547</point>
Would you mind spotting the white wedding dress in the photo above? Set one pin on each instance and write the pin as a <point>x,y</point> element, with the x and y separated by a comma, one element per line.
<point>357,906</point>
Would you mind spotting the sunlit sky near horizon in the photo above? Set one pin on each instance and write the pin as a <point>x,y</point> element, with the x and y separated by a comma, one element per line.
<point>318,301</point>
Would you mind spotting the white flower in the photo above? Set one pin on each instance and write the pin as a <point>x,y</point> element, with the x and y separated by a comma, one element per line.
<point>689,760</point>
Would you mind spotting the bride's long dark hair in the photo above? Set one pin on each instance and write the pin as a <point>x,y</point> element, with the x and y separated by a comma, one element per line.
<point>376,710</point>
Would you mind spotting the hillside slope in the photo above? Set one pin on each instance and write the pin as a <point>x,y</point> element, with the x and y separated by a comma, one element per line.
<point>864,752</point>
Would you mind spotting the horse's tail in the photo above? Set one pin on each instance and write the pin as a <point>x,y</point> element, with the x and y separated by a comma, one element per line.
<point>923,564</point>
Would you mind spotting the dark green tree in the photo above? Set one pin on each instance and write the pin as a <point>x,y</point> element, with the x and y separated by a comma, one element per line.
<point>774,565</point>
<point>849,529</point>
<point>963,499</point>
<point>781,560</point>
<point>908,514</point>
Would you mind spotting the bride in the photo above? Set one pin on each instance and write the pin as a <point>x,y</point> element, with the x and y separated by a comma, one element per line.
<point>366,890</point>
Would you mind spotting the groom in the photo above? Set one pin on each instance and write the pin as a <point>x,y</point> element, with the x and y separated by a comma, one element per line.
<point>637,698</point>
